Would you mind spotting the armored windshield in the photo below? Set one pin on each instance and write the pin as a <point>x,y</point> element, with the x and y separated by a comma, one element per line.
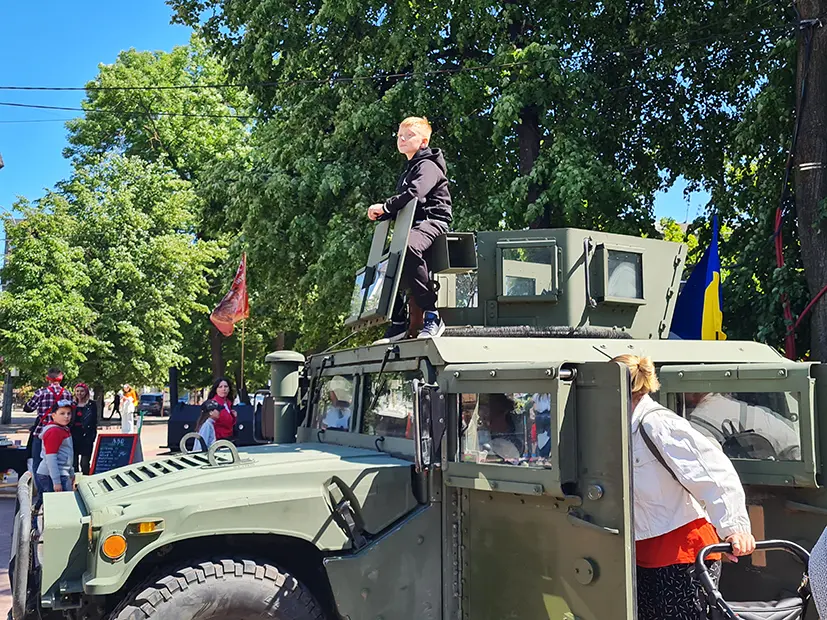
<point>389,404</point>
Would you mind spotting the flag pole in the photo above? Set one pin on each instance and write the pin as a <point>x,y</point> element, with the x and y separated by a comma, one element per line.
<point>241,387</point>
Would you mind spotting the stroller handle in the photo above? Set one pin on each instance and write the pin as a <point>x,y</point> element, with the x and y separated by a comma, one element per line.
<point>761,545</point>
<point>702,573</point>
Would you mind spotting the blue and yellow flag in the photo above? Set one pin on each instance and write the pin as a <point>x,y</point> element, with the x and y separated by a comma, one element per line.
<point>699,309</point>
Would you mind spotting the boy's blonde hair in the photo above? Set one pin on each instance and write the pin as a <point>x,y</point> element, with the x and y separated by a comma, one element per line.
<point>642,370</point>
<point>419,124</point>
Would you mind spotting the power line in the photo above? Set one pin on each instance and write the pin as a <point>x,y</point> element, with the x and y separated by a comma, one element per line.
<point>34,106</point>
<point>333,79</point>
<point>37,120</point>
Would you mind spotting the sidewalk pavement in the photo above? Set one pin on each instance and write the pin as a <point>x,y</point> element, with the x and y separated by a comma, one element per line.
<point>153,436</point>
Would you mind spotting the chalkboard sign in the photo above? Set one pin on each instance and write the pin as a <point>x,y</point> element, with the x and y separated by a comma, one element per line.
<point>115,450</point>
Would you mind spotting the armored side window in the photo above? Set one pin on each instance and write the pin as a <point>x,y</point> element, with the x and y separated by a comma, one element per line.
<point>528,270</point>
<point>510,429</point>
<point>459,290</point>
<point>334,407</point>
<point>388,402</point>
<point>747,425</point>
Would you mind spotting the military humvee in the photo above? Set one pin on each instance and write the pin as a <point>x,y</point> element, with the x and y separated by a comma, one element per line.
<point>484,474</point>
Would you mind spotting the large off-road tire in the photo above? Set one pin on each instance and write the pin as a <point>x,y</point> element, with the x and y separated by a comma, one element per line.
<point>221,590</point>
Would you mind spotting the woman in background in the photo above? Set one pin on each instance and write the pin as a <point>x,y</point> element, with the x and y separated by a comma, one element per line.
<point>222,393</point>
<point>84,428</point>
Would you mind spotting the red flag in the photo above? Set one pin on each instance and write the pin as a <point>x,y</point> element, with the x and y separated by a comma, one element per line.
<point>235,306</point>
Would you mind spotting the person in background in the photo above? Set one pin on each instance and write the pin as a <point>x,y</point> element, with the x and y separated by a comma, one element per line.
<point>818,574</point>
<point>84,428</point>
<point>116,404</point>
<point>56,472</point>
<point>130,394</point>
<point>687,495</point>
<point>43,402</point>
<point>222,392</point>
<point>205,427</point>
<point>129,402</point>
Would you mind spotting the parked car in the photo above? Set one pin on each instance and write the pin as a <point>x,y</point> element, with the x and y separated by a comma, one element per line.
<point>153,404</point>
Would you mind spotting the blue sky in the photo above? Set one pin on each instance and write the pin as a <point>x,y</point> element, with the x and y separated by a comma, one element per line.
<point>60,43</point>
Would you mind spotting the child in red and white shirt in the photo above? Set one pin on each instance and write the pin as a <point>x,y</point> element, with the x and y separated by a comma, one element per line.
<point>56,472</point>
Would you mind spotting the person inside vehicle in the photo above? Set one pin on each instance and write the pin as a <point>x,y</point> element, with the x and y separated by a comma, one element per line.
<point>505,441</point>
<point>222,392</point>
<point>687,495</point>
<point>728,417</point>
<point>339,411</point>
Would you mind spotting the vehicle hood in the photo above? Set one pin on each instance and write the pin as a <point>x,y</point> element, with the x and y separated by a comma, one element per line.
<point>285,469</point>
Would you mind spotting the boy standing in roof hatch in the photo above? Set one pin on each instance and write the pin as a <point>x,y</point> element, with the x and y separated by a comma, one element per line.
<point>424,179</point>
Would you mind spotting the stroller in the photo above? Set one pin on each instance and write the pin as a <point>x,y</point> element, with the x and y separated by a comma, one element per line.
<point>793,608</point>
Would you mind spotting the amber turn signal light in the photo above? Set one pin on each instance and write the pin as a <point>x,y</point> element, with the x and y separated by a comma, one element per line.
<point>114,546</point>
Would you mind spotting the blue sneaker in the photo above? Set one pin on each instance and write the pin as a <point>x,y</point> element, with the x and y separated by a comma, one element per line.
<point>396,331</point>
<point>432,325</point>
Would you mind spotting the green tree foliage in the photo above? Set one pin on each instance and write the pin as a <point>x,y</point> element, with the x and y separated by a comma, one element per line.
<point>136,222</point>
<point>104,273</point>
<point>44,320</point>
<point>550,113</point>
<point>191,132</point>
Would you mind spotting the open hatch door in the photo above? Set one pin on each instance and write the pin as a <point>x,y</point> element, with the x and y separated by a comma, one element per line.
<point>377,282</point>
<point>543,478</point>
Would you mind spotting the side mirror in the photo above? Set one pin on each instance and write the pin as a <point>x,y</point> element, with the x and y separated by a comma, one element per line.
<point>429,425</point>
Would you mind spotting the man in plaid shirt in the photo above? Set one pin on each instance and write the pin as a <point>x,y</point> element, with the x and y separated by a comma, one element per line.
<point>44,401</point>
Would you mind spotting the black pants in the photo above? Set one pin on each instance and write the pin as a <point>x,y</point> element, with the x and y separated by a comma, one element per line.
<point>672,592</point>
<point>415,274</point>
<point>82,446</point>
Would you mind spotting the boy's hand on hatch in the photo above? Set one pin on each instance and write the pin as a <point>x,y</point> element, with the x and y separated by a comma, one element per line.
<point>375,211</point>
<point>58,487</point>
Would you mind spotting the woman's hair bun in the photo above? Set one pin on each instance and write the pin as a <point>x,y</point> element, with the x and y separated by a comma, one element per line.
<point>642,370</point>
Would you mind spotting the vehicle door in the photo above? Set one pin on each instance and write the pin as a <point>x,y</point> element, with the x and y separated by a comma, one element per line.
<point>762,415</point>
<point>538,500</point>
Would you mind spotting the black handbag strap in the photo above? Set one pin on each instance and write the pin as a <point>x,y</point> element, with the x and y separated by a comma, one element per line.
<point>653,448</point>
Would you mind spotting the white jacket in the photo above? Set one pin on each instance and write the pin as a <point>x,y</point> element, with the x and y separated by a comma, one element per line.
<point>661,504</point>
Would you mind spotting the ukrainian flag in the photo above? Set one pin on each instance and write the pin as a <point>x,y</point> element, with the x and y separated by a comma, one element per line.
<point>699,309</point>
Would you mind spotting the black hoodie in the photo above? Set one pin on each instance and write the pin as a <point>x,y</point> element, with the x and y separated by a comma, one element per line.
<point>424,179</point>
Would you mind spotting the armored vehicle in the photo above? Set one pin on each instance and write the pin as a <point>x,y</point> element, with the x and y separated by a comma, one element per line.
<point>485,474</point>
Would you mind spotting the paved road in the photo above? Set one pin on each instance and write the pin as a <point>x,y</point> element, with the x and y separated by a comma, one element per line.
<point>153,436</point>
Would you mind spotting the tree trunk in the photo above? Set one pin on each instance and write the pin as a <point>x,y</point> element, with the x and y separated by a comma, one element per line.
<point>216,353</point>
<point>99,391</point>
<point>811,181</point>
<point>528,136</point>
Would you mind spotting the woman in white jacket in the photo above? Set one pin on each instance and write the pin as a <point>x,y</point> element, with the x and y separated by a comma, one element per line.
<point>687,495</point>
